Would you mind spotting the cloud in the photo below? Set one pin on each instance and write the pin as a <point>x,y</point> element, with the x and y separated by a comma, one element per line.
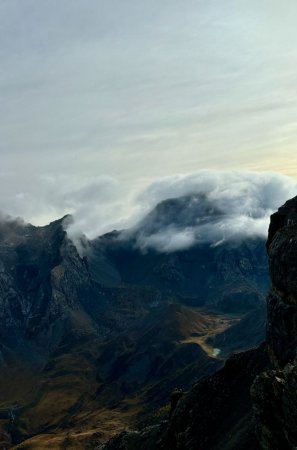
<point>166,241</point>
<point>212,207</point>
<point>102,86</point>
<point>40,199</point>
<point>11,229</point>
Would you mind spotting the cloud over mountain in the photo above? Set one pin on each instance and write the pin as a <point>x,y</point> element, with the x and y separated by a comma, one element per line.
<point>210,207</point>
<point>213,205</point>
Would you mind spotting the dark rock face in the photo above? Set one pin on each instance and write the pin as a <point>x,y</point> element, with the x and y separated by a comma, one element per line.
<point>208,416</point>
<point>274,392</point>
<point>281,328</point>
<point>216,414</point>
<point>232,277</point>
<point>275,398</point>
<point>45,288</point>
<point>282,299</point>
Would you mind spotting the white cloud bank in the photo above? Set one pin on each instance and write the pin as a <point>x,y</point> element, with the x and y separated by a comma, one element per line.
<point>221,206</point>
<point>242,202</point>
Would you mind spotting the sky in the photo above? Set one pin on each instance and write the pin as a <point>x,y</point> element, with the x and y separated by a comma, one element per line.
<point>101,98</point>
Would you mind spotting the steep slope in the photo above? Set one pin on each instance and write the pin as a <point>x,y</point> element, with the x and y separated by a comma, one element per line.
<point>49,306</point>
<point>159,353</point>
<point>274,392</point>
<point>46,290</point>
<point>247,333</point>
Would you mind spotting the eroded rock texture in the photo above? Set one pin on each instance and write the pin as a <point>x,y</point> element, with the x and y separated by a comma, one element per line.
<point>274,392</point>
<point>275,399</point>
<point>217,412</point>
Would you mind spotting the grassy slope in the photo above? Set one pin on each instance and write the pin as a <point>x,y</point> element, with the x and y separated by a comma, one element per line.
<point>67,405</point>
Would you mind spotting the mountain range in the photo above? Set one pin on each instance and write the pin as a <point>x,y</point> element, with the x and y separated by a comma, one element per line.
<point>97,334</point>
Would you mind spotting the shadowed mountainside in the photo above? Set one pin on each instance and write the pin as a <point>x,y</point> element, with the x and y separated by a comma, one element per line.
<point>226,274</point>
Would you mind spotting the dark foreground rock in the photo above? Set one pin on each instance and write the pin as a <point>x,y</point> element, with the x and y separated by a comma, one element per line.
<point>275,399</point>
<point>217,413</point>
<point>274,392</point>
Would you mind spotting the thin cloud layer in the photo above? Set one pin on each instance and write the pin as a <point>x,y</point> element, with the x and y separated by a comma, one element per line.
<point>93,201</point>
<point>147,89</point>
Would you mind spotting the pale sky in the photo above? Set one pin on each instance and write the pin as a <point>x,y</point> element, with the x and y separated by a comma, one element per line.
<point>98,98</point>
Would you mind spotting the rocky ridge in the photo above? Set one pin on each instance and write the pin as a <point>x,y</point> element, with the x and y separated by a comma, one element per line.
<point>45,288</point>
<point>274,391</point>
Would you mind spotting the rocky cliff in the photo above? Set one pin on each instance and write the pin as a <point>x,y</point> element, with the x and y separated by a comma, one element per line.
<point>45,289</point>
<point>274,392</point>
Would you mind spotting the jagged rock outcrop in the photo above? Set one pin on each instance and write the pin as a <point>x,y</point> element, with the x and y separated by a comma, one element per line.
<point>45,289</point>
<point>275,399</point>
<point>282,299</point>
<point>217,412</point>
<point>274,392</point>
